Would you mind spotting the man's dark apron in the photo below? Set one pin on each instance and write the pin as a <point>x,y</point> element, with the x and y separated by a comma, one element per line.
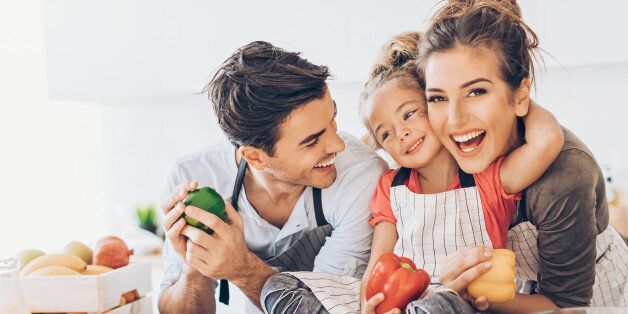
<point>301,254</point>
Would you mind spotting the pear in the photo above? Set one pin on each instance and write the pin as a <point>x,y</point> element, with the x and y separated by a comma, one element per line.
<point>27,256</point>
<point>80,250</point>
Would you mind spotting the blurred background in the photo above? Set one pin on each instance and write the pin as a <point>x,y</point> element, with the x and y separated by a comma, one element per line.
<point>98,98</point>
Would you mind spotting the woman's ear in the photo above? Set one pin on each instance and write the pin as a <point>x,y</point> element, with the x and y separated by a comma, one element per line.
<point>522,98</point>
<point>254,157</point>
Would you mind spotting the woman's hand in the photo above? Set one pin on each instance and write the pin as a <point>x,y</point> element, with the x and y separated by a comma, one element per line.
<point>463,267</point>
<point>369,306</point>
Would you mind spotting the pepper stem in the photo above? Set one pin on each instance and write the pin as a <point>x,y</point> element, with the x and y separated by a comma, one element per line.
<point>406,266</point>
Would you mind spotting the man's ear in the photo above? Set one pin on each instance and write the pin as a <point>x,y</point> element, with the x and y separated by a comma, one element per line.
<point>522,98</point>
<point>254,157</point>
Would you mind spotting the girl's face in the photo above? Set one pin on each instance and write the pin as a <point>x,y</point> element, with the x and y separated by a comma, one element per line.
<point>397,118</point>
<point>471,108</point>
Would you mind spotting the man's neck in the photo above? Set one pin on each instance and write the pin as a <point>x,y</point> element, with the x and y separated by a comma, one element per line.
<point>438,174</point>
<point>273,200</point>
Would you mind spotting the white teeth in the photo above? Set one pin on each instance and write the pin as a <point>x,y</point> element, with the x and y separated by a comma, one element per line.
<point>466,137</point>
<point>468,149</point>
<point>415,145</point>
<point>327,163</point>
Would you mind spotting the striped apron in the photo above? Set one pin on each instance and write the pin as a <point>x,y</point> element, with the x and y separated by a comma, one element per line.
<point>431,226</point>
<point>611,267</point>
<point>300,255</point>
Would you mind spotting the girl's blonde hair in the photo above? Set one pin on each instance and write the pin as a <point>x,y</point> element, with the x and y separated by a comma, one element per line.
<point>396,62</point>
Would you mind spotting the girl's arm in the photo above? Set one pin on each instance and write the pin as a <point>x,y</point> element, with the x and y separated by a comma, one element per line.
<point>544,140</point>
<point>384,239</point>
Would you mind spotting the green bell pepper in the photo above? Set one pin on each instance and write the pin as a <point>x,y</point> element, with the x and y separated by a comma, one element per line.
<point>208,200</point>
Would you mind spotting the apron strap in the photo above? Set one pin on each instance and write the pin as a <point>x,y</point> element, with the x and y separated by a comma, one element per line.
<point>238,183</point>
<point>521,211</point>
<point>223,295</point>
<point>466,180</point>
<point>402,175</point>
<point>318,208</point>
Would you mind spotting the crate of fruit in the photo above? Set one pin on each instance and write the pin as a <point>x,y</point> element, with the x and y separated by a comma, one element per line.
<point>81,280</point>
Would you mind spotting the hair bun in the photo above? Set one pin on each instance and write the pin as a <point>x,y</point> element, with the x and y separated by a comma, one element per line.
<point>397,52</point>
<point>457,8</point>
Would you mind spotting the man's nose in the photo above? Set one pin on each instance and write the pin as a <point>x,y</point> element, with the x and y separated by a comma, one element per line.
<point>335,145</point>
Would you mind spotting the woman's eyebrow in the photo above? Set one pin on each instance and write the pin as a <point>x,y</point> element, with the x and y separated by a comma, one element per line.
<point>467,84</point>
<point>477,80</point>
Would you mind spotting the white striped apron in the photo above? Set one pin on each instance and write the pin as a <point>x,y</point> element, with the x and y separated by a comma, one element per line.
<point>611,267</point>
<point>430,226</point>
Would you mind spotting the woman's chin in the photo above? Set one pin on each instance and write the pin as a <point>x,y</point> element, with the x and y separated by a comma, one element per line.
<point>472,166</point>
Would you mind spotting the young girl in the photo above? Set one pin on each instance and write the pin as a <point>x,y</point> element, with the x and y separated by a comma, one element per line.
<point>429,208</point>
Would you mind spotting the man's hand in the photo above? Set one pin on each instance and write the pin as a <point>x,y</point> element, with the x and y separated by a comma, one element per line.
<point>222,255</point>
<point>173,223</point>
<point>463,267</point>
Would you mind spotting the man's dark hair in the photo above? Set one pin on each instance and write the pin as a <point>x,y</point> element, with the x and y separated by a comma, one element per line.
<point>256,89</point>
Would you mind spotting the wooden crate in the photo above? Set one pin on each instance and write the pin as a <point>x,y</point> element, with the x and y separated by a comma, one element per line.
<point>86,293</point>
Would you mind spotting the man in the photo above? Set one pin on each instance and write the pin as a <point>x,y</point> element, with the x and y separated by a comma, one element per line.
<point>301,188</point>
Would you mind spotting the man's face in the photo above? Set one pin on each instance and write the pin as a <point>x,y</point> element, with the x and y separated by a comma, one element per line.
<point>306,149</point>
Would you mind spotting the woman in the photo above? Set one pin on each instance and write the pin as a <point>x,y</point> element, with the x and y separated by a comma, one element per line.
<point>477,58</point>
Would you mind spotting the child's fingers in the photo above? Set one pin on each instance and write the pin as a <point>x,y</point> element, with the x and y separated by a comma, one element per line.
<point>374,301</point>
<point>481,304</point>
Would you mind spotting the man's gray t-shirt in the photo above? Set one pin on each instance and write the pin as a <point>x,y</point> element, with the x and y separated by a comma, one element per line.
<point>569,209</point>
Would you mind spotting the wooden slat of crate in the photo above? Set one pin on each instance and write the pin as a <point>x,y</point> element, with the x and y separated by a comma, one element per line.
<point>85,293</point>
<point>140,306</point>
<point>111,287</point>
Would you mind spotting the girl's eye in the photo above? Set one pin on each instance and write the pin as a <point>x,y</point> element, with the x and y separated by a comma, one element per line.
<point>313,143</point>
<point>408,114</point>
<point>385,135</point>
<point>477,92</point>
<point>435,98</point>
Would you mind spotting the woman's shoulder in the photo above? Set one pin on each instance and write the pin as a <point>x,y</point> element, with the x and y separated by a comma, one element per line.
<point>573,182</point>
<point>574,167</point>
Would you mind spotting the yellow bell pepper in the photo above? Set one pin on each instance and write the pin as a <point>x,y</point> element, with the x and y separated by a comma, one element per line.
<point>498,284</point>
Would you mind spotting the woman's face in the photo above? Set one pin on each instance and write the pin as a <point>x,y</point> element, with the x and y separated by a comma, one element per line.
<point>471,108</point>
<point>397,118</point>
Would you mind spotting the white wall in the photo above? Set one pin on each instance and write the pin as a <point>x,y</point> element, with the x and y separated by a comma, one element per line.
<point>107,50</point>
<point>51,157</point>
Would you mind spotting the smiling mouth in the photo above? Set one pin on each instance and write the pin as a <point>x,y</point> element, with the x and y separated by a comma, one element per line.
<point>415,146</point>
<point>327,163</point>
<point>470,141</point>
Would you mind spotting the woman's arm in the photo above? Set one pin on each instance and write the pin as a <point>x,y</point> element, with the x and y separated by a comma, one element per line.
<point>384,239</point>
<point>524,303</point>
<point>544,140</point>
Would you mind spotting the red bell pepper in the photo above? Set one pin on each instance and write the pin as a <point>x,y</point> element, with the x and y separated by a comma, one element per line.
<point>399,280</point>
